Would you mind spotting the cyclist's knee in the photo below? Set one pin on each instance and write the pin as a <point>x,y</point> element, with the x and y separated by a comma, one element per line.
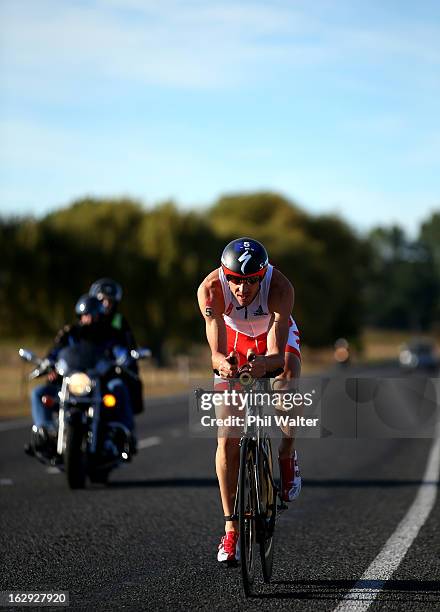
<point>291,372</point>
<point>292,366</point>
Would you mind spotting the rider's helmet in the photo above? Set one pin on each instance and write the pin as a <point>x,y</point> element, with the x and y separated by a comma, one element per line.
<point>106,288</point>
<point>109,293</point>
<point>245,257</point>
<point>89,305</point>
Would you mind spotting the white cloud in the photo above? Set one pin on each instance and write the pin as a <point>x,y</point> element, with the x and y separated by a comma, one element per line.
<point>193,44</point>
<point>181,46</point>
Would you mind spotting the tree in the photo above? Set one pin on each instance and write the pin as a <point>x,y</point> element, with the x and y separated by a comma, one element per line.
<point>403,286</point>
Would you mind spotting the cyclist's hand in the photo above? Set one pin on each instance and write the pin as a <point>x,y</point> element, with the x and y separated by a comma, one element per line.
<point>229,366</point>
<point>257,364</point>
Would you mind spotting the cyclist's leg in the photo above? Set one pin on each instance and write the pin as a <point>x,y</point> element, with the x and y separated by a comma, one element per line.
<point>290,475</point>
<point>227,459</point>
<point>288,380</point>
<point>228,450</point>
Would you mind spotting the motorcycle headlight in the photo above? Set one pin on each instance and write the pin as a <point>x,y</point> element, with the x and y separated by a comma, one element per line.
<point>79,384</point>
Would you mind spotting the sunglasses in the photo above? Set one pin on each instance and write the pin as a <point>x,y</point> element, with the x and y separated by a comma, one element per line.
<point>247,280</point>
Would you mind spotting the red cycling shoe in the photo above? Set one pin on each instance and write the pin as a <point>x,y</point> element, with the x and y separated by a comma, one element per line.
<point>229,548</point>
<point>290,478</point>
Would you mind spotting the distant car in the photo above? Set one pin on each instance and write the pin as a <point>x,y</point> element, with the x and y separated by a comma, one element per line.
<point>419,355</point>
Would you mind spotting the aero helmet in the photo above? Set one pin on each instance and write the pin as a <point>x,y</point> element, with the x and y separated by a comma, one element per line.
<point>245,257</point>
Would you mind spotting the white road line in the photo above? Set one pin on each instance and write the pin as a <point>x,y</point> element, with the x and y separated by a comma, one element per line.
<point>388,560</point>
<point>147,442</point>
<point>5,482</point>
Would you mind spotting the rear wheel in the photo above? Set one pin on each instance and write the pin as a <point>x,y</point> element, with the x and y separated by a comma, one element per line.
<point>247,514</point>
<point>267,495</point>
<point>75,456</point>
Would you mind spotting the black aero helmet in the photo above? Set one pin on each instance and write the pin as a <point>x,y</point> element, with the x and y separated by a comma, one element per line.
<point>106,288</point>
<point>245,257</point>
<point>88,305</point>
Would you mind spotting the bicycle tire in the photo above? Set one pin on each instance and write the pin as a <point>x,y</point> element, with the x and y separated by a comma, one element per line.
<point>247,514</point>
<point>267,515</point>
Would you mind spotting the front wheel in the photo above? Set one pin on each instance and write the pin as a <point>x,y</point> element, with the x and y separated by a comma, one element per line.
<point>99,476</point>
<point>75,456</point>
<point>268,509</point>
<point>247,507</point>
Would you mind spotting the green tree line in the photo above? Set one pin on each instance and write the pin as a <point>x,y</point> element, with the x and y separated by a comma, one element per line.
<point>343,280</point>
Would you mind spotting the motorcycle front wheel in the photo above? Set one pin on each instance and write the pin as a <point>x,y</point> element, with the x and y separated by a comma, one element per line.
<point>75,456</point>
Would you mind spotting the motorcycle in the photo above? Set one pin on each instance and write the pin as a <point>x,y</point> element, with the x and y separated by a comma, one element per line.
<point>88,441</point>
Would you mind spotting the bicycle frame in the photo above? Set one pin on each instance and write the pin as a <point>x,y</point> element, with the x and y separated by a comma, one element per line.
<point>256,433</point>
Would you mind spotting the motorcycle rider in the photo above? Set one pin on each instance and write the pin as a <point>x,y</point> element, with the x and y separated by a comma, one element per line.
<point>109,293</point>
<point>89,327</point>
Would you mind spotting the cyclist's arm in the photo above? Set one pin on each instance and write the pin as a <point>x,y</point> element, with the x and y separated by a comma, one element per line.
<point>280,303</point>
<point>212,305</point>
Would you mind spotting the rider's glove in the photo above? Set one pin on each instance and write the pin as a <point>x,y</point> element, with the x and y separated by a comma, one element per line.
<point>121,355</point>
<point>45,364</point>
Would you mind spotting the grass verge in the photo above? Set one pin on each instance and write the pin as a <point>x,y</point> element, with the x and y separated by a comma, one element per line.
<point>377,345</point>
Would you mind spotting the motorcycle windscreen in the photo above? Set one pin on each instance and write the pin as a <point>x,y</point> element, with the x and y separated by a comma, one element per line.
<point>79,357</point>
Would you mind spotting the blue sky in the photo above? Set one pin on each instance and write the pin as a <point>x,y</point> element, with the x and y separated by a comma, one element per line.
<point>334,104</point>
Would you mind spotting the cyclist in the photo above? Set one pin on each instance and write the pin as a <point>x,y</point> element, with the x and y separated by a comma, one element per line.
<point>247,305</point>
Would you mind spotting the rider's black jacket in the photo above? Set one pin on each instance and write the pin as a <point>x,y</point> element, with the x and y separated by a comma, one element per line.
<point>120,330</point>
<point>96,333</point>
<point>109,332</point>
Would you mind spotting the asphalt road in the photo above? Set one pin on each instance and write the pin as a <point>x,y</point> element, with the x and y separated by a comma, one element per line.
<point>148,541</point>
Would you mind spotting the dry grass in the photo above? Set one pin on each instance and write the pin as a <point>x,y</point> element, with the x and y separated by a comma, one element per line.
<point>383,344</point>
<point>14,387</point>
